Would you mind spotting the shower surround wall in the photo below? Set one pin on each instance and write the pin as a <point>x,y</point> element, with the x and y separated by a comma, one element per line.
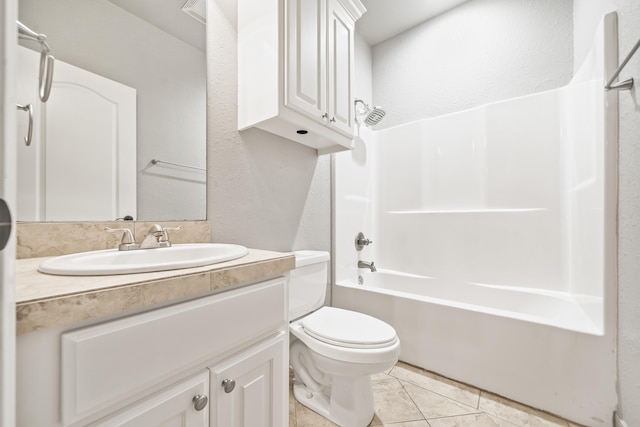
<point>506,200</point>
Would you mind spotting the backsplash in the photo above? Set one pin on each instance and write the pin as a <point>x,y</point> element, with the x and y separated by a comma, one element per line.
<point>41,239</point>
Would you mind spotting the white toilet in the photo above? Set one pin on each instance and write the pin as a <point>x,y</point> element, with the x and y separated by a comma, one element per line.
<point>333,351</point>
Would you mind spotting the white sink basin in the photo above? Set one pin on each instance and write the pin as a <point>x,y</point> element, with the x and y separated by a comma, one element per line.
<point>113,261</point>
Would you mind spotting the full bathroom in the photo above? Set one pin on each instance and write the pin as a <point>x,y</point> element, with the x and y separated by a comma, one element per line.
<point>446,200</point>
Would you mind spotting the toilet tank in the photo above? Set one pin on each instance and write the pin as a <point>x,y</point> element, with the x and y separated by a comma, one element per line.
<point>308,282</point>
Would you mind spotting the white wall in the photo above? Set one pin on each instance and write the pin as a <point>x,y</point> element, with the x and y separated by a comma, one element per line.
<point>264,191</point>
<point>628,201</point>
<point>586,17</point>
<point>169,76</point>
<point>482,51</point>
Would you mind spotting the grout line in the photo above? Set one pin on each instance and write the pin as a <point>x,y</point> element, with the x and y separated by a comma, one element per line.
<point>412,401</point>
<point>440,394</point>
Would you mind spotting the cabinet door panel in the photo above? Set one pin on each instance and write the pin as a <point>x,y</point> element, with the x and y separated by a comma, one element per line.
<point>107,363</point>
<point>340,68</point>
<point>172,407</point>
<point>259,397</point>
<point>306,64</point>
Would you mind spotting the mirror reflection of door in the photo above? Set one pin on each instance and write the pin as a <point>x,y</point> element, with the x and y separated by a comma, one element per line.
<point>89,120</point>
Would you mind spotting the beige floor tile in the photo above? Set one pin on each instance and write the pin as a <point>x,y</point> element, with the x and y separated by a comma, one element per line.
<point>501,423</point>
<point>305,417</point>
<point>381,376</point>
<point>421,423</point>
<point>392,404</point>
<point>446,387</point>
<point>434,405</point>
<point>517,413</point>
<point>292,409</point>
<point>473,420</point>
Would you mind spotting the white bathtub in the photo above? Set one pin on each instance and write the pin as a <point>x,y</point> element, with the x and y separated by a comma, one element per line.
<point>559,309</point>
<point>541,348</point>
<point>511,208</point>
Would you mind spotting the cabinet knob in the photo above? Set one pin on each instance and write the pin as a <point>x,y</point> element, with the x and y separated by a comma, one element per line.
<point>200,402</point>
<point>228,385</point>
<point>333,120</point>
<point>325,116</point>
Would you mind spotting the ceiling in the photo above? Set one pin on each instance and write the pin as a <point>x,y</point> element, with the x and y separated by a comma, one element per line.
<point>386,18</point>
<point>383,19</point>
<point>169,17</point>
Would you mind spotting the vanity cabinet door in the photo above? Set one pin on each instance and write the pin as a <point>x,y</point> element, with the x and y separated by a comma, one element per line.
<point>182,405</point>
<point>250,390</point>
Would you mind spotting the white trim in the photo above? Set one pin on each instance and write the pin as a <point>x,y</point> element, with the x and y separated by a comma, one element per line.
<point>8,141</point>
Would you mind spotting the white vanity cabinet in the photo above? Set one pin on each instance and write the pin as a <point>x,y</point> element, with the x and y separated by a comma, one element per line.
<point>295,69</point>
<point>249,390</point>
<point>164,367</point>
<point>182,405</point>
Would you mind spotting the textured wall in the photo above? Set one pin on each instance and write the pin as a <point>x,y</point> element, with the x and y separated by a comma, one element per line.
<point>169,76</point>
<point>629,223</point>
<point>479,52</point>
<point>587,13</point>
<point>628,201</point>
<point>263,191</point>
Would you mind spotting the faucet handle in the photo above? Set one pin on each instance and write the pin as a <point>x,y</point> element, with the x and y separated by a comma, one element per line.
<point>165,235</point>
<point>164,239</point>
<point>127,237</point>
<point>362,241</point>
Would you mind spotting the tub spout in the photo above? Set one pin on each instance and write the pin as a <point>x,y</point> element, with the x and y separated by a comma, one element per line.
<point>370,265</point>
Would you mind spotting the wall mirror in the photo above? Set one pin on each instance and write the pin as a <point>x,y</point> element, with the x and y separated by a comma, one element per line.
<point>156,52</point>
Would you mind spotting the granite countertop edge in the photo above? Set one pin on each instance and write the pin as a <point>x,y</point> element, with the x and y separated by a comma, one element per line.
<point>44,300</point>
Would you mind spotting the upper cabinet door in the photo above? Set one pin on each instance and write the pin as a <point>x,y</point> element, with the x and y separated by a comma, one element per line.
<point>295,69</point>
<point>340,68</point>
<point>306,64</point>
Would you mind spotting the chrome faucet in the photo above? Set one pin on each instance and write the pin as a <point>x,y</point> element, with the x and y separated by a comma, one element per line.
<point>370,265</point>
<point>157,237</point>
<point>153,238</point>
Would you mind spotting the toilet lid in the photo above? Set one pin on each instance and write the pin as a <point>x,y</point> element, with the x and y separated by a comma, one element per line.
<point>348,328</point>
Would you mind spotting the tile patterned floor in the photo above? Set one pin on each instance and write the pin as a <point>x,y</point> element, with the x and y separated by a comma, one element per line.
<point>406,396</point>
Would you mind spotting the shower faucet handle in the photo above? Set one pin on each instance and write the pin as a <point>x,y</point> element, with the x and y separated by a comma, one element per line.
<point>362,241</point>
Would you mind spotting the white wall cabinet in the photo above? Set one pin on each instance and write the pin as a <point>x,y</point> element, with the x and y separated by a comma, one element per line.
<point>146,369</point>
<point>295,69</point>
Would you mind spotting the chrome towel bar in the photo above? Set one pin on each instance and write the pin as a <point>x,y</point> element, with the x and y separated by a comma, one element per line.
<point>45,77</point>
<point>626,84</point>
<point>156,161</point>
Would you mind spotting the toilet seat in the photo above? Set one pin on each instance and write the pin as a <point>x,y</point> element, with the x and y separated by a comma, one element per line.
<point>349,329</point>
<point>382,352</point>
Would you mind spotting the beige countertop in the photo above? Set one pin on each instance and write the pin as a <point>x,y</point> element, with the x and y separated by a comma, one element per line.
<point>44,300</point>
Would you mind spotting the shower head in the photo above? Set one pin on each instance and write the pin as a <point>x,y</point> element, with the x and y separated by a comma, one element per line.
<point>373,115</point>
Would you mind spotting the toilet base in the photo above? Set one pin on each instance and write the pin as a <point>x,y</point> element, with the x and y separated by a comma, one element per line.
<point>349,403</point>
